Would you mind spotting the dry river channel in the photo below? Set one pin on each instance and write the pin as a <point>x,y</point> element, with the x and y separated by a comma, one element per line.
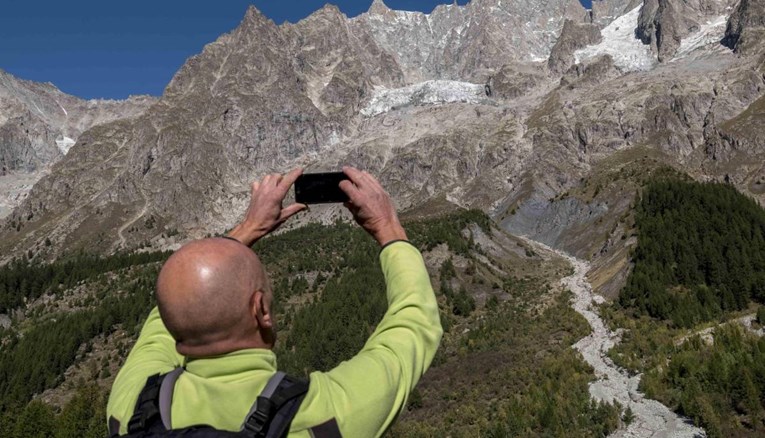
<point>613,383</point>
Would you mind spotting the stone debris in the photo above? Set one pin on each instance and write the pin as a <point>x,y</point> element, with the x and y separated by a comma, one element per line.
<point>615,384</point>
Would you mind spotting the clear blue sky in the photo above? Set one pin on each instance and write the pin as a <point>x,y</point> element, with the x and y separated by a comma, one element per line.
<point>112,49</point>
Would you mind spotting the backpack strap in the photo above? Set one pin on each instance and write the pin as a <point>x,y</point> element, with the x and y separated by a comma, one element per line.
<point>288,401</point>
<point>274,409</point>
<point>154,403</point>
<point>114,427</point>
<point>166,395</point>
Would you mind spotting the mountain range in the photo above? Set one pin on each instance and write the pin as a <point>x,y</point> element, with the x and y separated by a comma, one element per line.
<point>543,114</point>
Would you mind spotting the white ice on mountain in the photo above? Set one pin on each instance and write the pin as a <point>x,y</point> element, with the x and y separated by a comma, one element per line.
<point>708,34</point>
<point>619,41</point>
<point>64,144</point>
<point>424,93</point>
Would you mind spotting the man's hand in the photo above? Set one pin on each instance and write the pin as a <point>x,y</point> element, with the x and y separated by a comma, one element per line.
<point>371,206</point>
<point>265,212</point>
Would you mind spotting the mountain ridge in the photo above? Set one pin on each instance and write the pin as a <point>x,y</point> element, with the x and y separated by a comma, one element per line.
<point>264,98</point>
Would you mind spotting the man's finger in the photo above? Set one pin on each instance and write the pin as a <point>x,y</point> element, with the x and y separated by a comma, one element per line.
<point>370,180</point>
<point>255,186</point>
<point>354,175</point>
<point>290,179</point>
<point>291,210</point>
<point>351,190</point>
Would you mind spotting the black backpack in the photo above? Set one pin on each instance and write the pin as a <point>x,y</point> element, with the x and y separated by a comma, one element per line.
<point>270,416</point>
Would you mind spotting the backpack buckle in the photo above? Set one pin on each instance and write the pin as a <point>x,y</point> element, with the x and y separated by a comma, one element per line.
<point>137,423</point>
<point>261,417</point>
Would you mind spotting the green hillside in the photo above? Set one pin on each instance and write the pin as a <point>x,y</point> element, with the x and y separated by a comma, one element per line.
<point>699,268</point>
<point>701,252</point>
<point>505,366</point>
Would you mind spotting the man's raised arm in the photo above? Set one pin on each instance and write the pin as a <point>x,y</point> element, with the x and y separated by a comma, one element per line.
<point>266,213</point>
<point>363,396</point>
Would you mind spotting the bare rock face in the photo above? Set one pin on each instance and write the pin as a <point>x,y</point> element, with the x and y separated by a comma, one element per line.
<point>39,123</point>
<point>516,80</point>
<point>662,26</point>
<point>741,135</point>
<point>233,110</point>
<point>38,126</point>
<point>603,12</point>
<point>746,27</point>
<point>664,23</point>
<point>339,64</point>
<point>573,37</point>
<point>590,73</point>
<point>467,42</point>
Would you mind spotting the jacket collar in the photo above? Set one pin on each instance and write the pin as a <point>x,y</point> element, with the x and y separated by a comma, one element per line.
<point>237,362</point>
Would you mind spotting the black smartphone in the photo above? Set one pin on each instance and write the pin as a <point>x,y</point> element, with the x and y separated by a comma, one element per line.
<point>320,188</point>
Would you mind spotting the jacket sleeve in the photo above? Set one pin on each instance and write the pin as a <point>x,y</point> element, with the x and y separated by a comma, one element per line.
<point>365,394</point>
<point>153,353</point>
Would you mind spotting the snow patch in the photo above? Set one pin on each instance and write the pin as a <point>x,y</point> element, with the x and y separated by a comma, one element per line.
<point>63,109</point>
<point>424,93</point>
<point>64,144</point>
<point>38,108</point>
<point>535,58</point>
<point>334,138</point>
<point>619,41</point>
<point>710,33</point>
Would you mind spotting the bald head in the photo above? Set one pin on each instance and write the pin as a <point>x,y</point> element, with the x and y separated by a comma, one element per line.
<point>214,298</point>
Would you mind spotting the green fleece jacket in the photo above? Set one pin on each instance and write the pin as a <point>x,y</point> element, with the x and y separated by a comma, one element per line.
<point>362,395</point>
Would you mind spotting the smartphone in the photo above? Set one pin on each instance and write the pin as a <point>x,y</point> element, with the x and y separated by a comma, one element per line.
<point>320,188</point>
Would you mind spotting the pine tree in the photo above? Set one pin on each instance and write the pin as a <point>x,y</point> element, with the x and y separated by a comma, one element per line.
<point>36,421</point>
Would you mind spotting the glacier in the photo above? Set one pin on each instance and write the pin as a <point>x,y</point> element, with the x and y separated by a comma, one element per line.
<point>619,41</point>
<point>424,93</point>
<point>710,33</point>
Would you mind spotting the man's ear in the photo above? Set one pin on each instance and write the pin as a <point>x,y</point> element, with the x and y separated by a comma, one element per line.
<point>261,310</point>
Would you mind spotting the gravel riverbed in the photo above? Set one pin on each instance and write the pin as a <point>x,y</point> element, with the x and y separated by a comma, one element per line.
<point>651,418</point>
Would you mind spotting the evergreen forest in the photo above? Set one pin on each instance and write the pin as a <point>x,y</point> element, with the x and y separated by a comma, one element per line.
<point>699,267</point>
<point>700,253</point>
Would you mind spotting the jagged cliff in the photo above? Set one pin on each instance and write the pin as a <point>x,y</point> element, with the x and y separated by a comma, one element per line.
<point>39,123</point>
<point>38,126</point>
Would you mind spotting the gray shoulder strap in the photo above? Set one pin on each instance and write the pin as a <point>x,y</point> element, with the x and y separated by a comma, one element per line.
<point>267,392</point>
<point>166,396</point>
<point>273,383</point>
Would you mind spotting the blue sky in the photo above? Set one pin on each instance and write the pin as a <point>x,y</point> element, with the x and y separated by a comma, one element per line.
<point>112,49</point>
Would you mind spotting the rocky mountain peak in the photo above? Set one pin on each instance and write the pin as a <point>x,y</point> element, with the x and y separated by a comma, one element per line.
<point>574,36</point>
<point>253,23</point>
<point>254,26</point>
<point>328,13</point>
<point>471,41</point>
<point>254,16</point>
<point>378,7</point>
<point>329,10</point>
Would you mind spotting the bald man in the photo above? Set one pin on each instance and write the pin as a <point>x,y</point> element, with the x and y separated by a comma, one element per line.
<point>215,318</point>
